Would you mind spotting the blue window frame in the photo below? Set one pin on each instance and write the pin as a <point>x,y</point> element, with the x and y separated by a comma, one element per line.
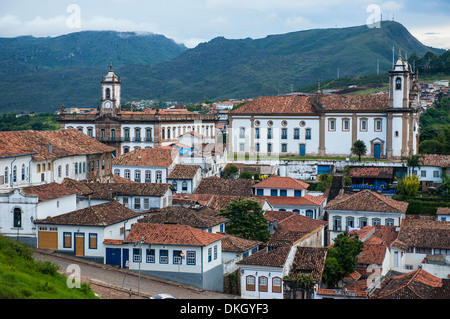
<point>190,258</point>
<point>269,133</point>
<point>163,256</point>
<point>308,134</point>
<point>93,241</point>
<point>296,134</point>
<point>67,240</point>
<point>245,255</point>
<point>215,252</point>
<point>274,192</point>
<point>209,254</point>
<point>297,193</point>
<point>260,192</point>
<point>136,255</point>
<point>284,134</point>
<point>177,260</point>
<point>283,192</point>
<point>257,133</point>
<point>151,256</point>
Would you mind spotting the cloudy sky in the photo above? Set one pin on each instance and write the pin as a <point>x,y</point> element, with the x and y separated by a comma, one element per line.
<point>194,21</point>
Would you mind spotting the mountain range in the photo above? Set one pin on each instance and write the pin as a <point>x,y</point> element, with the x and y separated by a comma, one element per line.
<point>39,74</point>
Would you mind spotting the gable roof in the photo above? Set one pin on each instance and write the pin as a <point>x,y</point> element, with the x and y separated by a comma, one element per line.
<point>417,284</point>
<point>371,172</point>
<point>184,171</point>
<point>223,186</point>
<point>307,200</point>
<point>99,215</point>
<point>171,235</point>
<point>109,190</point>
<point>313,105</point>
<point>443,211</point>
<point>367,201</point>
<point>281,182</point>
<point>160,157</point>
<point>309,260</point>
<point>273,258</point>
<point>204,217</point>
<point>64,143</point>
<point>49,191</point>
<point>436,160</point>
<point>238,244</point>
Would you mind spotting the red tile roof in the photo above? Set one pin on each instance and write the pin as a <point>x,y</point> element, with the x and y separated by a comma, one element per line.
<point>443,211</point>
<point>307,200</point>
<point>309,260</point>
<point>237,244</point>
<point>171,235</point>
<point>222,186</point>
<point>273,258</point>
<point>367,201</point>
<point>160,157</point>
<point>184,172</point>
<point>371,172</point>
<point>49,191</point>
<point>436,160</point>
<point>64,143</point>
<point>99,215</point>
<point>281,182</point>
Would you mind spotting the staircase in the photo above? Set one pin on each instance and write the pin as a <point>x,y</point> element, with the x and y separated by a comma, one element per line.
<point>336,185</point>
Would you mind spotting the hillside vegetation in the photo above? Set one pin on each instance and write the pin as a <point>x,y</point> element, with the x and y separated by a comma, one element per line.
<point>215,70</point>
<point>22,277</point>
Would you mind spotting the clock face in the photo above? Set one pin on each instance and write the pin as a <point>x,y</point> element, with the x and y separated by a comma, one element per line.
<point>107,105</point>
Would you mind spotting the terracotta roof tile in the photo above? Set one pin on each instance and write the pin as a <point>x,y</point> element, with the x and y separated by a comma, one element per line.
<point>367,201</point>
<point>237,244</point>
<point>49,191</point>
<point>436,160</point>
<point>221,186</point>
<point>307,200</point>
<point>63,143</point>
<point>371,172</point>
<point>281,182</point>
<point>99,215</point>
<point>309,260</point>
<point>162,157</point>
<point>443,211</point>
<point>184,172</point>
<point>273,258</point>
<point>171,235</point>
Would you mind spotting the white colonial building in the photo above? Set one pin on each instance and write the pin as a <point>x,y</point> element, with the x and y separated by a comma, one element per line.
<point>328,125</point>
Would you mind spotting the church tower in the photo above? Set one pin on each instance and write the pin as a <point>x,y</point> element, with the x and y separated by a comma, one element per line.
<point>111,84</point>
<point>403,89</point>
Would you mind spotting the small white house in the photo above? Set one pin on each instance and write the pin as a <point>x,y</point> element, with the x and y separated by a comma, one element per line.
<point>185,178</point>
<point>82,232</point>
<point>176,252</point>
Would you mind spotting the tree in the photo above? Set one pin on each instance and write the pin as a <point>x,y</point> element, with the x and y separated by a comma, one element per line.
<point>414,161</point>
<point>341,259</point>
<point>246,220</point>
<point>359,148</point>
<point>246,175</point>
<point>230,171</point>
<point>408,187</point>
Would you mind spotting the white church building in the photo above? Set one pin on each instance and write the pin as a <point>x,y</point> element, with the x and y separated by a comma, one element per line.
<point>322,125</point>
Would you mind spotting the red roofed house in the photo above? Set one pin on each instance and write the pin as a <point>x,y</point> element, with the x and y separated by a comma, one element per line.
<point>289,194</point>
<point>177,252</point>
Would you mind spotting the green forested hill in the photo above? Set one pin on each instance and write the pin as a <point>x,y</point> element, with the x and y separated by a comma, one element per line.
<point>218,69</point>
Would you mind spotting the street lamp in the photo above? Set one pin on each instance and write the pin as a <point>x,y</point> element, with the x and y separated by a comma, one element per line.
<point>140,242</point>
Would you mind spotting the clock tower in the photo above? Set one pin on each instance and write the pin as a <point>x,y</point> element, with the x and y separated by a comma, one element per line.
<point>110,103</point>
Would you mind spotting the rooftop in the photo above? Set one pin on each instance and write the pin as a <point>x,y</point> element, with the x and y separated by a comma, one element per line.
<point>160,157</point>
<point>221,186</point>
<point>49,191</point>
<point>184,172</point>
<point>282,182</point>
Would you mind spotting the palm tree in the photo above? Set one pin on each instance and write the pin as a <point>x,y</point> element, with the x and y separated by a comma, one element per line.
<point>414,161</point>
<point>359,148</point>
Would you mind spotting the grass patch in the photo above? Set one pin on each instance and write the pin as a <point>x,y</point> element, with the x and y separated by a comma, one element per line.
<point>23,277</point>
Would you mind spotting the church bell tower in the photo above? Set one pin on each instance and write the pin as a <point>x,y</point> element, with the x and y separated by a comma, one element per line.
<point>110,102</point>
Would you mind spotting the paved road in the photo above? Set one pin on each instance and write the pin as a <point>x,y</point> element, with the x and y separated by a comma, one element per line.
<point>147,286</point>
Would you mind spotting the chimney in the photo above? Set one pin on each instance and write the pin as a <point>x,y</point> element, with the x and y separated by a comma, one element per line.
<point>270,227</point>
<point>275,223</point>
<point>50,148</point>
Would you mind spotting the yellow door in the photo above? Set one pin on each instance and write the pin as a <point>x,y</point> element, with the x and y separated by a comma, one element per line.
<point>48,240</point>
<point>79,244</point>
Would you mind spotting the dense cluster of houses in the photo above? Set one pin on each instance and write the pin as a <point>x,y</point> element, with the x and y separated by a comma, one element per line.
<point>146,194</point>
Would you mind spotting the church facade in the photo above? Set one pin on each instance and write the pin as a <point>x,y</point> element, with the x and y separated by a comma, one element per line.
<point>126,130</point>
<point>322,125</point>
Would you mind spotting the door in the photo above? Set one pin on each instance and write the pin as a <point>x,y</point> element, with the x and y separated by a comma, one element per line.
<point>79,244</point>
<point>48,240</point>
<point>302,149</point>
<point>113,256</point>
<point>376,150</point>
<point>125,257</point>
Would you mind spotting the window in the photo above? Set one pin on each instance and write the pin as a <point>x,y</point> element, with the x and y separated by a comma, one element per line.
<point>158,176</point>
<point>209,254</point>
<point>108,93</point>
<point>127,134</point>
<point>363,125</point>
<point>296,134</point>
<point>378,125</point>
<point>436,174</point>
<point>137,134</point>
<point>14,174</point>
<point>309,213</point>
<point>396,134</point>
<point>241,147</point>
<point>257,133</point>
<point>6,175</point>
<point>184,186</point>
<point>260,192</point>
<point>163,256</point>
<point>274,192</point>
<point>67,170</point>
<point>190,258</point>
<point>362,222</point>
<point>76,168</point>
<point>136,255</point>
<point>146,203</point>
<point>345,125</point>
<point>284,134</point>
<point>250,283</point>
<point>125,201</point>
<point>337,223</point>
<point>398,83</point>
<point>103,134</point>
<point>276,285</point>
<point>284,148</point>
<point>127,174</point>
<point>283,192</point>
<point>113,135</point>
<point>89,130</point>
<point>215,252</point>
<point>332,125</point>
<point>423,173</point>
<point>92,241</point>
<point>126,149</point>
<point>137,175</point>
<point>23,172</point>
<point>175,185</point>
<point>177,260</point>
<point>257,147</point>
<point>150,255</point>
<point>262,284</point>
<point>148,176</point>
<point>59,171</point>
<point>308,134</point>
<point>117,172</point>
<point>269,147</point>
<point>297,193</point>
<point>376,221</point>
<point>137,203</point>
<point>67,240</point>
<point>148,135</point>
<point>269,133</point>
<point>242,132</point>
<point>350,222</point>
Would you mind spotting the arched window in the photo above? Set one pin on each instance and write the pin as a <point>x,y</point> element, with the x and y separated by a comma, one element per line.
<point>389,222</point>
<point>23,172</point>
<point>148,135</point>
<point>14,177</point>
<point>17,217</point>
<point>309,213</point>
<point>163,133</point>
<point>76,168</point>
<point>137,175</point>
<point>6,175</point>
<point>263,284</point>
<point>175,185</point>
<point>250,283</point>
<point>67,169</point>
<point>276,284</point>
<point>59,171</point>
<point>148,176</point>
<point>108,93</point>
<point>159,176</point>
<point>376,221</point>
<point>337,223</point>
<point>398,84</point>
<point>38,168</point>
<point>127,174</point>
<point>184,186</point>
